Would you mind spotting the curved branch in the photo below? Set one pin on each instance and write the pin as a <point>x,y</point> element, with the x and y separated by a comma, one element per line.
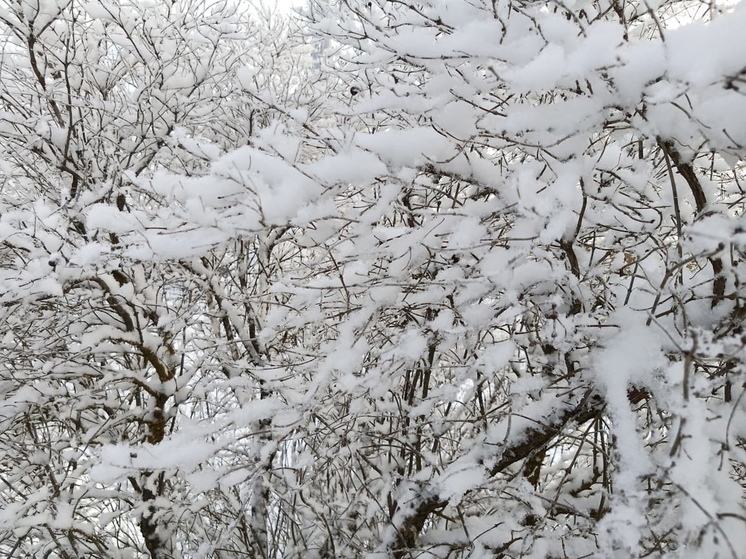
<point>686,170</point>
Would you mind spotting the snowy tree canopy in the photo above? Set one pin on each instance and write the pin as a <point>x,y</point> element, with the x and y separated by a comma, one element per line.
<point>391,279</point>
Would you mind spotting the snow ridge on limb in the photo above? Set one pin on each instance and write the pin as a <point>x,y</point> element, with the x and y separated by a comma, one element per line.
<point>519,443</point>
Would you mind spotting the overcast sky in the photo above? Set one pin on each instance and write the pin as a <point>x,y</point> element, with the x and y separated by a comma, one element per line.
<point>287,4</point>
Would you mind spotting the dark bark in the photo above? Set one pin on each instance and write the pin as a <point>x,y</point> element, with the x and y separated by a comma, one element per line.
<point>687,172</point>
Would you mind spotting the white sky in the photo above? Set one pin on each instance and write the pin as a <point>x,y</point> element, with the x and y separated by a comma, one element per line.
<point>285,5</point>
